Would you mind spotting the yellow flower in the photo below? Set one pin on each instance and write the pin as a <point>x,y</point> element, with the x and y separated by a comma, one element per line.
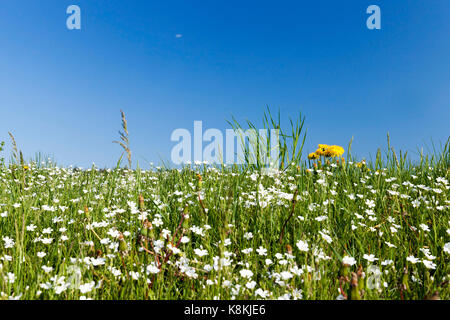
<point>313,156</point>
<point>339,150</point>
<point>334,151</point>
<point>322,149</point>
<point>330,151</point>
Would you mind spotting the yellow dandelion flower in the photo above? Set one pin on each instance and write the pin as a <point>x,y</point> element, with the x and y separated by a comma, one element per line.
<point>334,151</point>
<point>339,151</point>
<point>322,149</point>
<point>329,151</point>
<point>313,156</point>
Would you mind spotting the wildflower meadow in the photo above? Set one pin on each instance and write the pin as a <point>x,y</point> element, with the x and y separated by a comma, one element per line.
<point>318,226</point>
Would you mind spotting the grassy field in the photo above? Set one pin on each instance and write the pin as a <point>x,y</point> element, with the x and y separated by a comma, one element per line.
<point>317,229</point>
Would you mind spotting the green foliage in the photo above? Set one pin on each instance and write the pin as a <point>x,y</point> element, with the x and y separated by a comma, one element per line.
<point>290,142</point>
<point>237,232</point>
<point>104,224</point>
<point>2,159</point>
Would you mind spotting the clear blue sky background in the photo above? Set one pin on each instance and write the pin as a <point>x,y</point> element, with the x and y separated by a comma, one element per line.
<point>61,90</point>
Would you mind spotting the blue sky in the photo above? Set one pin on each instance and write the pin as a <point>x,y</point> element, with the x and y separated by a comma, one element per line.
<point>61,90</point>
